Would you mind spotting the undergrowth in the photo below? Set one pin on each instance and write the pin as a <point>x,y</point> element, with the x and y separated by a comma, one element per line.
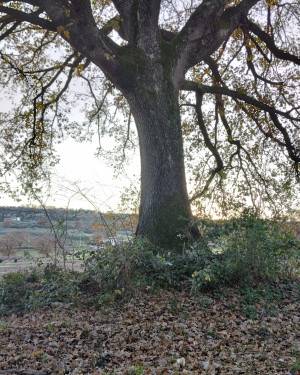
<point>242,252</point>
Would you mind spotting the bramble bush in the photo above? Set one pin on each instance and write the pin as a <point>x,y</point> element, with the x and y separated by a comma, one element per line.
<point>14,292</point>
<point>241,251</point>
<point>134,267</point>
<point>250,249</point>
<point>29,290</point>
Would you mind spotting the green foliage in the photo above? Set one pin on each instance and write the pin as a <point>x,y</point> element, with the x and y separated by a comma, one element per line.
<point>296,365</point>
<point>135,267</point>
<point>121,269</point>
<point>266,298</point>
<point>244,252</point>
<point>248,249</point>
<point>296,354</point>
<point>14,292</point>
<point>29,290</point>
<point>56,285</point>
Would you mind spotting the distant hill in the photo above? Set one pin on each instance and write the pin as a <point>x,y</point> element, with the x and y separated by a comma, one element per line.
<point>73,226</point>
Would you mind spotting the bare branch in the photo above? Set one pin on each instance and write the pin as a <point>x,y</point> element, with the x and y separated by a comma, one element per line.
<point>10,30</point>
<point>293,152</point>
<point>28,17</point>
<point>253,71</point>
<point>267,39</point>
<point>197,87</point>
<point>212,148</point>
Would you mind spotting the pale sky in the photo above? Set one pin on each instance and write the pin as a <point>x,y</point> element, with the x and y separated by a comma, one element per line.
<point>79,169</point>
<point>81,180</point>
<point>91,175</point>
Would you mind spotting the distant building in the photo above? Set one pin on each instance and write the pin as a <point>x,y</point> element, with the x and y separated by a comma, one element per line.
<point>15,218</point>
<point>11,219</point>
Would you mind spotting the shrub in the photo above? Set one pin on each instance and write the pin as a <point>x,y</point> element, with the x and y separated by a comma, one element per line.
<point>137,266</point>
<point>240,251</point>
<point>252,249</point>
<point>125,268</point>
<point>56,285</point>
<point>29,290</point>
<point>14,292</point>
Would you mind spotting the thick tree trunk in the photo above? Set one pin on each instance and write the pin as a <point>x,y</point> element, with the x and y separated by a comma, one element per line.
<point>165,211</point>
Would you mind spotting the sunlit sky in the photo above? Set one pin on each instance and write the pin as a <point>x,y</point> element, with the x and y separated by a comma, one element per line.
<point>80,169</point>
<point>81,180</point>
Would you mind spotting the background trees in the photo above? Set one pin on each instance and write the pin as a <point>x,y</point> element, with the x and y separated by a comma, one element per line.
<point>21,237</point>
<point>214,81</point>
<point>12,241</point>
<point>8,244</point>
<point>44,244</point>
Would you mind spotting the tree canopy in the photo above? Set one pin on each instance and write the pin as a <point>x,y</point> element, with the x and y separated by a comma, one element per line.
<point>215,82</point>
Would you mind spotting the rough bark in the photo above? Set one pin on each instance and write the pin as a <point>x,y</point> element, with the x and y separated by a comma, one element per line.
<point>165,209</point>
<point>165,213</point>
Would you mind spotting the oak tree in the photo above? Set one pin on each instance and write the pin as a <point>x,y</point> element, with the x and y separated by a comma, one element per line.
<point>214,77</point>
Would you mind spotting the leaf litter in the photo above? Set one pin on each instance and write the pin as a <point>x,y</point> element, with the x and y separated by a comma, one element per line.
<point>169,332</point>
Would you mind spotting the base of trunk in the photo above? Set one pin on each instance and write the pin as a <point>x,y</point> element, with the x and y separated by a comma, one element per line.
<point>171,224</point>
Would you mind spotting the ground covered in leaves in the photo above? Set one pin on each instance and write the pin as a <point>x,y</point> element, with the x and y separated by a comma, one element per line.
<point>169,332</point>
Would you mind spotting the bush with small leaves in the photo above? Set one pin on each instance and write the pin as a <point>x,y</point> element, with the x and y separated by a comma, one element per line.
<point>134,267</point>
<point>250,250</point>
<point>237,252</point>
<point>20,292</point>
<point>14,292</point>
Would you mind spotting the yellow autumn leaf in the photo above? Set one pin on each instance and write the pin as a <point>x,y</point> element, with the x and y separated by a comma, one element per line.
<point>67,11</point>
<point>67,34</point>
<point>36,353</point>
<point>60,29</point>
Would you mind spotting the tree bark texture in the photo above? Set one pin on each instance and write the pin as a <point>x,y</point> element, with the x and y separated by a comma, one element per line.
<point>165,209</point>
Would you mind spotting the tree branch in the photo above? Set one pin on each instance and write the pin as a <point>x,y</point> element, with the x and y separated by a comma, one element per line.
<point>253,71</point>
<point>197,87</point>
<point>139,23</point>
<point>10,30</point>
<point>78,27</point>
<point>208,27</point>
<point>214,68</point>
<point>293,152</point>
<point>212,148</point>
<point>28,17</point>
<point>147,20</point>
<point>267,39</point>
<point>125,9</point>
